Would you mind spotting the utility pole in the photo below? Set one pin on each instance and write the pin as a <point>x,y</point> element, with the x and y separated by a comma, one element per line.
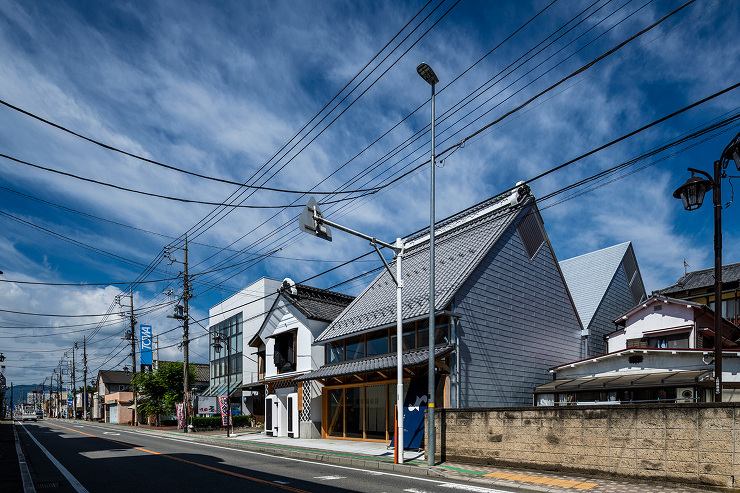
<point>134,421</point>
<point>185,340</point>
<point>84,378</point>
<point>74,385</point>
<point>183,315</point>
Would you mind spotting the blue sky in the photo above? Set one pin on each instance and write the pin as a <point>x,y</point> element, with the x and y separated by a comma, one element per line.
<point>218,89</point>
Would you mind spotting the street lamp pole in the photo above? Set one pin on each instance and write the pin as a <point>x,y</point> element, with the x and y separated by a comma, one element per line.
<point>692,194</point>
<point>311,221</point>
<point>426,73</point>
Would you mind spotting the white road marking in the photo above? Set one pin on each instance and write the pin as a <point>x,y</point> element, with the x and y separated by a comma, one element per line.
<point>280,482</point>
<point>329,478</point>
<point>110,433</point>
<point>72,480</point>
<point>414,490</point>
<point>446,484</point>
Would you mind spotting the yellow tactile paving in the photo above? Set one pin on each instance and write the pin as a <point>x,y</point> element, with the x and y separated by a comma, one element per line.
<point>580,485</point>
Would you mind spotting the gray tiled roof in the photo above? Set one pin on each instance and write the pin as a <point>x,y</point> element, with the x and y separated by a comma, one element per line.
<point>413,357</point>
<point>315,303</point>
<point>703,279</point>
<point>460,244</point>
<point>115,376</point>
<point>588,276</point>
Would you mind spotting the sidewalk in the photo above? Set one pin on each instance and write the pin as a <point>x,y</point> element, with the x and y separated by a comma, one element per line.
<point>10,473</point>
<point>377,456</point>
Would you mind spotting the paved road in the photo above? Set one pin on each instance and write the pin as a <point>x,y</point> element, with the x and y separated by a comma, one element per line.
<point>81,457</point>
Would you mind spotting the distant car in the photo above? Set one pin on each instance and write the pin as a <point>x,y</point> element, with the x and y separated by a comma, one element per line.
<point>39,415</point>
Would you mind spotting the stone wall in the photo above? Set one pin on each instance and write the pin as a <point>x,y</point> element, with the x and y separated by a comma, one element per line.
<point>689,443</point>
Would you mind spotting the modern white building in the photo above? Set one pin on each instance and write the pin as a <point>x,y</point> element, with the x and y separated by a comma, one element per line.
<point>239,317</point>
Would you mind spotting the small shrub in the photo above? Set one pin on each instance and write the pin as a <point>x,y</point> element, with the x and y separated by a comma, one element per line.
<point>169,422</point>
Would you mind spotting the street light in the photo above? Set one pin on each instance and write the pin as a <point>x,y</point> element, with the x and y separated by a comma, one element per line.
<point>692,194</point>
<point>311,221</point>
<point>426,73</point>
<point>218,338</point>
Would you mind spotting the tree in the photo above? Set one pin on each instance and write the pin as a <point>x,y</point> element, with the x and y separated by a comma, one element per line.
<point>160,389</point>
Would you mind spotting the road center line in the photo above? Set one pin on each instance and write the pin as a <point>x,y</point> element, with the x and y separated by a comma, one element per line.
<point>216,469</point>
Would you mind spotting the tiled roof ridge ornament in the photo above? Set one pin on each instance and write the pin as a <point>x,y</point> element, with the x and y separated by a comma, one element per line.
<point>289,286</point>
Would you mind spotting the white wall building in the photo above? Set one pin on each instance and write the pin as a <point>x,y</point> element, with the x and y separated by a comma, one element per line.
<point>240,317</point>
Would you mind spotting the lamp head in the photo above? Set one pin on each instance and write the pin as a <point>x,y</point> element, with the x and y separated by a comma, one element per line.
<point>426,73</point>
<point>217,344</point>
<point>2,357</point>
<point>125,369</point>
<point>732,152</point>
<point>692,192</point>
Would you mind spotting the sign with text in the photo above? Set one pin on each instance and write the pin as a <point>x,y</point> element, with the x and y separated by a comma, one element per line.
<point>180,408</point>
<point>145,338</point>
<point>223,404</point>
<point>207,405</point>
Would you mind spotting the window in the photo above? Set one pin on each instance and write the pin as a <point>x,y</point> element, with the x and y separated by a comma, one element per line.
<point>355,348</point>
<point>377,343</point>
<point>669,341</point>
<point>284,353</point>
<point>335,352</point>
<point>261,364</point>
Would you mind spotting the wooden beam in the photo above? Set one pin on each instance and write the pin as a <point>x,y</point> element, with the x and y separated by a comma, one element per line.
<point>441,364</point>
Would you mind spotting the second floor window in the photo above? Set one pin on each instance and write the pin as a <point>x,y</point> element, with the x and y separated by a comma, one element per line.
<point>284,354</point>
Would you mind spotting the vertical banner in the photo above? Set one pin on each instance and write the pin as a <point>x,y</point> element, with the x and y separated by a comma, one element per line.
<point>223,404</point>
<point>180,407</point>
<point>145,349</point>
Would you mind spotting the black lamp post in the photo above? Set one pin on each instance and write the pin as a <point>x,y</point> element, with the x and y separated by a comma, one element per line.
<point>692,194</point>
<point>218,338</point>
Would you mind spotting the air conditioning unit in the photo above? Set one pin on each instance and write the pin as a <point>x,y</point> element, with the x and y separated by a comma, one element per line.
<point>685,394</point>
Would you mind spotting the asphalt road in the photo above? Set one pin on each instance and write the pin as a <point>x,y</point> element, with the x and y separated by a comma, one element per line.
<point>100,459</point>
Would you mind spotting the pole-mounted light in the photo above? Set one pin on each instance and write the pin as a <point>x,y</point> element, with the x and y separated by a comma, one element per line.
<point>691,194</point>
<point>426,73</point>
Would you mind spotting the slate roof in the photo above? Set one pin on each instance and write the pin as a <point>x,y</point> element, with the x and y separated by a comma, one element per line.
<point>588,277</point>
<point>703,279</point>
<point>315,303</point>
<point>655,298</point>
<point>461,242</point>
<point>115,376</point>
<point>414,357</point>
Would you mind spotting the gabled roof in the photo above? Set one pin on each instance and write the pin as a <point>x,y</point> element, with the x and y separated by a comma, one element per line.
<point>461,242</point>
<point>115,376</point>
<point>315,303</point>
<point>703,279</point>
<point>588,277</point>
<point>663,299</point>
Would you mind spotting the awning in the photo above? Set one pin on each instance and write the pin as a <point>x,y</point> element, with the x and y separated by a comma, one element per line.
<point>640,380</point>
<point>220,389</point>
<point>415,357</point>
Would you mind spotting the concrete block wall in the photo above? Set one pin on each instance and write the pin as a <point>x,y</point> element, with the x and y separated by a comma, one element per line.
<point>690,443</point>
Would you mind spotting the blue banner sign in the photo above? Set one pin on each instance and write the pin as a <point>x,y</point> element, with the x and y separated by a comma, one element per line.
<point>146,345</point>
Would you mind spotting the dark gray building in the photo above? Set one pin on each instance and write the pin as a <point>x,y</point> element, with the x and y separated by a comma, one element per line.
<point>503,317</point>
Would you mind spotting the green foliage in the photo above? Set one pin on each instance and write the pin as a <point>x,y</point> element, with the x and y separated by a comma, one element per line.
<point>159,390</point>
